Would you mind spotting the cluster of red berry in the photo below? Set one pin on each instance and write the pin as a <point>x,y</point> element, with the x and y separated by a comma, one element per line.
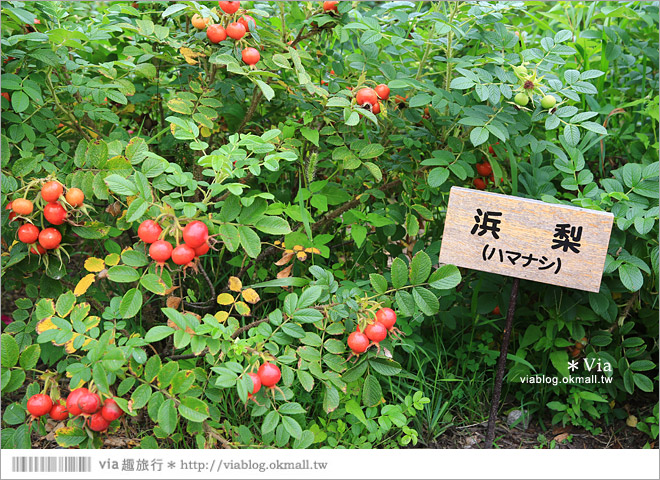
<point>80,402</point>
<point>368,97</point>
<point>268,375</point>
<point>374,333</point>
<point>53,212</point>
<point>216,33</point>
<point>485,170</point>
<point>195,238</point>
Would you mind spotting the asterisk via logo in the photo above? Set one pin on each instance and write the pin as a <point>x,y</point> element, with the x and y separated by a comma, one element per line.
<point>171,465</point>
<point>573,365</point>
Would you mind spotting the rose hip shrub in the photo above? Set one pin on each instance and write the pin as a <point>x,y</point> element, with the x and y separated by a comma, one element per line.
<point>221,230</point>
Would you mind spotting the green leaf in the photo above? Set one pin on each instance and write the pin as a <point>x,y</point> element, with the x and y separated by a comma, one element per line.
<point>385,366</point>
<point>309,296</point>
<point>420,268</point>
<point>193,409</point>
<point>479,135</point>
<point>65,303</point>
<point>20,101</point>
<point>330,399</point>
<point>29,357</point>
<point>371,150</point>
<point>426,301</point>
<point>631,276</point>
<point>152,368</point>
<point>354,409</point>
<point>273,225</point>
<point>123,274</point>
<point>158,333</point>
<point>266,89</point>
<point>153,283</point>
<point>250,241</point>
<point>271,421</point>
<point>167,417</point>
<point>121,185</point>
<point>100,377</point>
<point>141,396</point>
<point>445,277</point>
<point>131,303</point>
<point>643,382</point>
<point>136,209</point>
<point>405,303</point>
<point>9,351</point>
<point>559,359</point>
<point>378,282</point>
<point>306,380</point>
<point>292,426</point>
<point>399,273</point>
<point>438,176</point>
<point>310,134</point>
<point>372,393</point>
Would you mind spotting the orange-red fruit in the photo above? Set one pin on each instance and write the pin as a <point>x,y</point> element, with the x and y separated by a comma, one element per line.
<point>202,249</point>
<point>55,213</point>
<point>330,6</point>
<point>199,22</point>
<point>161,251</point>
<point>479,184</point>
<point>383,91</point>
<point>72,400</point>
<point>250,55</point>
<point>183,254</point>
<point>97,423</point>
<point>496,310</point>
<point>39,405</point>
<point>58,412</point>
<point>358,342</point>
<point>6,95</point>
<point>28,233</point>
<point>12,215</point>
<point>245,21</point>
<point>375,109</point>
<point>386,317</point>
<point>376,332</point>
<point>37,249</point>
<point>89,403</point>
<point>50,238</point>
<point>22,206</point>
<point>75,197</point>
<point>236,30</point>
<point>195,234</point>
<point>269,374</point>
<point>51,191</point>
<point>229,7</point>
<point>216,33</point>
<point>366,95</point>
<point>256,383</point>
<point>149,231</point>
<point>111,410</point>
<point>484,169</point>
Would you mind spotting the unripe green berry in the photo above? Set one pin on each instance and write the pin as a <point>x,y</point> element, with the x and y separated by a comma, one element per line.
<point>521,99</point>
<point>548,102</point>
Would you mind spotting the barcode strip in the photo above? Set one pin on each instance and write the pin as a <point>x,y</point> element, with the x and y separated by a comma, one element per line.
<point>51,464</point>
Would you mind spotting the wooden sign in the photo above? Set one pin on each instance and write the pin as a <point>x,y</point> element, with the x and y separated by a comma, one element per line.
<point>549,243</point>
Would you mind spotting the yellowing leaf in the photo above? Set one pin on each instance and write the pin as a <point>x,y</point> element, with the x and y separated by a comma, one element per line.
<point>130,199</point>
<point>242,308</point>
<point>297,248</point>
<point>112,259</point>
<point>221,316</point>
<point>206,133</point>
<point>84,284</point>
<point>45,324</point>
<point>235,284</point>
<point>173,302</point>
<point>285,273</point>
<point>250,295</point>
<point>286,258</point>
<point>91,322</point>
<point>190,56</point>
<point>313,250</point>
<point>301,256</point>
<point>225,299</point>
<point>93,264</point>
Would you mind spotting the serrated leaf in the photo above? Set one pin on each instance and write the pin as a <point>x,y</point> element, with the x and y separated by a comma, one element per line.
<point>399,273</point>
<point>420,268</point>
<point>378,282</point>
<point>372,393</point>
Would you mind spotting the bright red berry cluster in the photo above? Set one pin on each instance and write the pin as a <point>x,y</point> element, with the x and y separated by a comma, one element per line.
<point>374,333</point>
<point>56,207</point>
<point>195,237</point>
<point>234,28</point>
<point>369,98</point>
<point>80,402</point>
<point>485,170</point>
